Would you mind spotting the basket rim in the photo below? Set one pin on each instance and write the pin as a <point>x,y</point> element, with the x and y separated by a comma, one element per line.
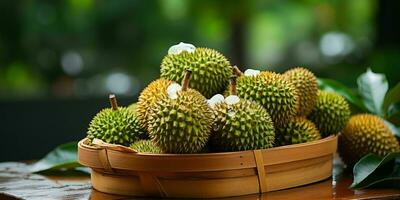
<point>83,144</point>
<point>114,157</point>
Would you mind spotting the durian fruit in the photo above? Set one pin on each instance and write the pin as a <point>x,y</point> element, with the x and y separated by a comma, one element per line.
<point>364,134</point>
<point>145,146</point>
<point>148,97</point>
<point>297,130</point>
<point>241,124</point>
<point>277,95</point>
<point>330,114</point>
<point>180,121</point>
<point>307,88</point>
<point>133,107</point>
<point>211,70</point>
<point>116,125</point>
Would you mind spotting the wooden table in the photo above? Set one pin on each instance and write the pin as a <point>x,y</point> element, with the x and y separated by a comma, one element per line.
<point>17,183</point>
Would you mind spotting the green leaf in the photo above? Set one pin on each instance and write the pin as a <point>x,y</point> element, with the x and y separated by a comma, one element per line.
<point>373,87</point>
<point>395,130</point>
<point>373,170</point>
<point>334,86</point>
<point>363,168</point>
<point>392,97</point>
<point>62,157</point>
<point>393,115</point>
<point>385,182</point>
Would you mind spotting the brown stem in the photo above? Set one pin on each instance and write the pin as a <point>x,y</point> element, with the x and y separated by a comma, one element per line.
<point>113,101</point>
<point>236,71</point>
<point>186,80</point>
<point>232,81</point>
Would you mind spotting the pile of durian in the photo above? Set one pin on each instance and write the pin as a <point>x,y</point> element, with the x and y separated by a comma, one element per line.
<point>201,103</point>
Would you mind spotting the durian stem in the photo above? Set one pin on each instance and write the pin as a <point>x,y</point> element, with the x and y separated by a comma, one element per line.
<point>236,71</point>
<point>186,79</point>
<point>113,101</point>
<point>232,81</point>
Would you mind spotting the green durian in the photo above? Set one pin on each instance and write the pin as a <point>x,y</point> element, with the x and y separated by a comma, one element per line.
<point>364,134</point>
<point>145,146</point>
<point>180,123</point>
<point>330,114</point>
<point>116,125</point>
<point>297,130</point>
<point>211,70</point>
<point>133,107</point>
<point>239,124</point>
<point>147,98</point>
<point>242,126</point>
<point>307,88</point>
<point>273,92</point>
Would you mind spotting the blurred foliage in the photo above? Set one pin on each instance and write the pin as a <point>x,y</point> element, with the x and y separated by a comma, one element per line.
<point>83,48</point>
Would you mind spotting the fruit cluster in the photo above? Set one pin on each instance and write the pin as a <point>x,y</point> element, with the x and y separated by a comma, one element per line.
<point>259,109</point>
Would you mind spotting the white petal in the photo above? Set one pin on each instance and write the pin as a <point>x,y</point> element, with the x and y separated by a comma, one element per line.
<point>173,96</point>
<point>173,90</point>
<point>232,99</point>
<point>179,48</point>
<point>251,72</point>
<point>215,100</point>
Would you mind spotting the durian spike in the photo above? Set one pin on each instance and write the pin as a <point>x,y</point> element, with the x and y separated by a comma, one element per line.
<point>113,101</point>
<point>185,84</point>
<point>236,71</point>
<point>232,84</point>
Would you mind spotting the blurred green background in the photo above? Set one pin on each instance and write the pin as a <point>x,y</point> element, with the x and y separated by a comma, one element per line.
<point>60,59</point>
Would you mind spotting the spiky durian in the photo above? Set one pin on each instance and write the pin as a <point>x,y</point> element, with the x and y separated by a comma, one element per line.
<point>244,125</point>
<point>364,134</point>
<point>116,125</point>
<point>147,98</point>
<point>211,70</point>
<point>273,92</point>
<point>306,86</point>
<point>330,114</point>
<point>145,146</point>
<point>240,124</point>
<point>297,130</point>
<point>180,122</point>
<point>133,107</point>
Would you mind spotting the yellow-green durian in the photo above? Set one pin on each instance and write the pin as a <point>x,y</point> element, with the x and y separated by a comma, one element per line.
<point>244,125</point>
<point>211,70</point>
<point>180,122</point>
<point>364,134</point>
<point>307,88</point>
<point>145,146</point>
<point>277,95</point>
<point>330,113</point>
<point>147,98</point>
<point>117,125</point>
<point>297,130</point>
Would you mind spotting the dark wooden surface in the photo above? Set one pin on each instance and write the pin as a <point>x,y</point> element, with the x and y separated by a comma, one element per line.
<point>17,183</point>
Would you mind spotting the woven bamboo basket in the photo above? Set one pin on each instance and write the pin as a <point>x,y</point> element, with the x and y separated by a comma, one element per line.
<point>208,175</point>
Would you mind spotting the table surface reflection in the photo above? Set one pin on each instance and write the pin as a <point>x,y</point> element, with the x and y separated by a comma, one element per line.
<point>17,183</point>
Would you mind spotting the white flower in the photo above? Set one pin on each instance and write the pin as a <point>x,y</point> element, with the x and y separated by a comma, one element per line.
<point>232,99</point>
<point>215,100</point>
<point>179,48</point>
<point>251,72</point>
<point>173,90</point>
